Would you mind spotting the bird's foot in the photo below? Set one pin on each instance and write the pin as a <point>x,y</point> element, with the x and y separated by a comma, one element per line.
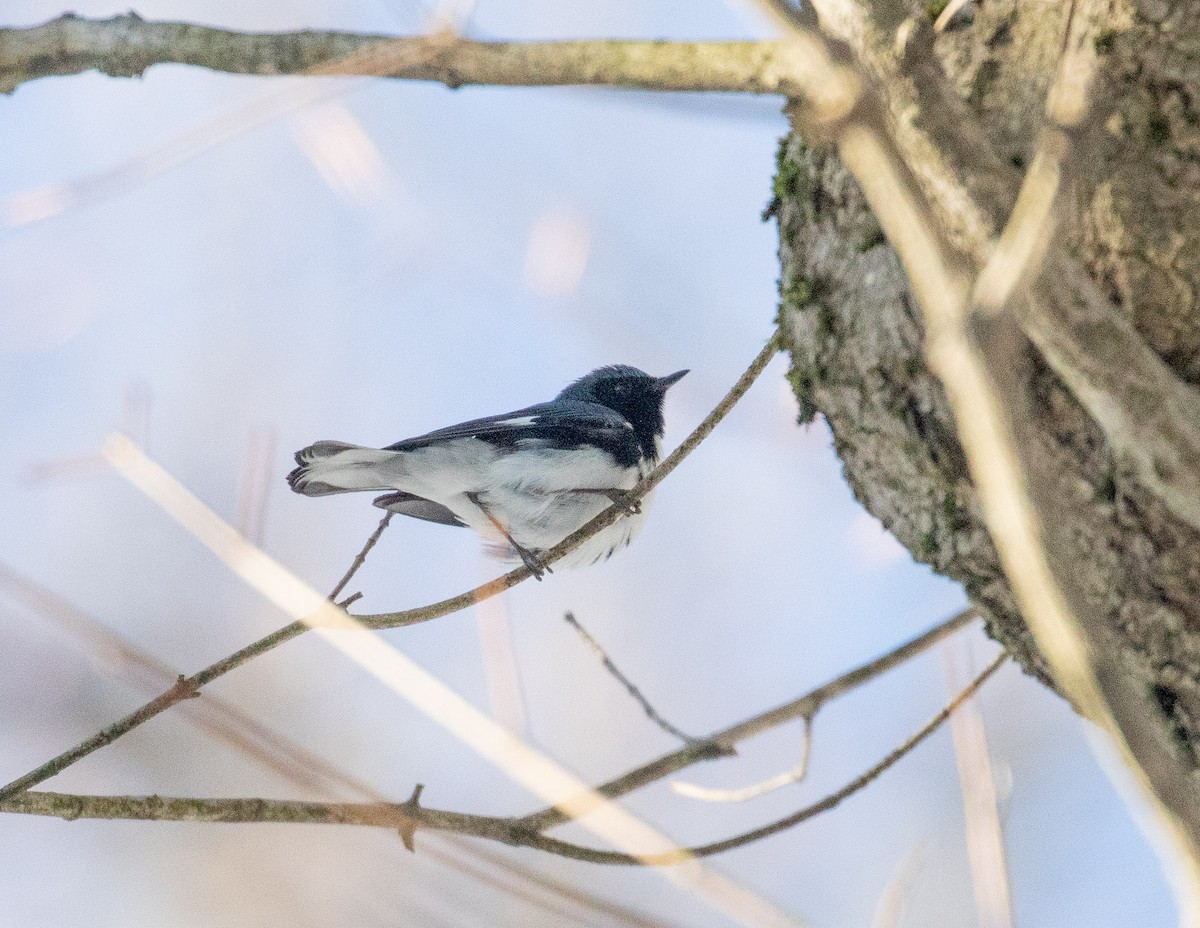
<point>625,501</point>
<point>619,498</point>
<point>536,565</point>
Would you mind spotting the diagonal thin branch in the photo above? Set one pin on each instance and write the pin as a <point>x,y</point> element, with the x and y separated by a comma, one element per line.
<point>361,557</point>
<point>595,647</point>
<point>184,688</point>
<point>830,801</point>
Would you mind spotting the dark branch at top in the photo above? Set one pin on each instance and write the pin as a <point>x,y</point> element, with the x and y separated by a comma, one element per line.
<point>124,46</point>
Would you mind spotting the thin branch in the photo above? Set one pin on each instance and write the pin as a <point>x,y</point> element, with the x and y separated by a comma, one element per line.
<point>184,688</point>
<point>834,799</point>
<point>361,557</point>
<point>606,661</point>
<point>124,46</point>
<point>506,830</point>
<point>295,763</point>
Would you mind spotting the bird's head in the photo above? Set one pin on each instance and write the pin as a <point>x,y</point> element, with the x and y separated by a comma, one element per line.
<point>631,392</point>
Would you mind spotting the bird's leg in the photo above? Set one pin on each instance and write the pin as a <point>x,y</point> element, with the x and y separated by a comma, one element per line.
<point>619,498</point>
<point>528,558</point>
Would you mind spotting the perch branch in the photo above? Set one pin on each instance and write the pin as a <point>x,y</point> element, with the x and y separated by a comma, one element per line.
<point>396,619</point>
<point>523,764</point>
<point>607,662</point>
<point>291,761</point>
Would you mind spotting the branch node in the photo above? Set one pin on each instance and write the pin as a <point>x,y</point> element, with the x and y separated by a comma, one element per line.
<point>184,688</point>
<point>711,748</point>
<point>412,812</point>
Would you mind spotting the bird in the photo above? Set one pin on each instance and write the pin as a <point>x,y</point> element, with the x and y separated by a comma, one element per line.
<point>523,480</point>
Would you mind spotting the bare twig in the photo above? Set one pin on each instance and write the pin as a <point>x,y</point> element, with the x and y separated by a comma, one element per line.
<point>506,830</point>
<point>595,647</point>
<point>361,557</point>
<point>805,706</point>
<point>225,722</point>
<point>124,46</point>
<point>754,790</point>
<point>183,688</point>
<point>824,805</point>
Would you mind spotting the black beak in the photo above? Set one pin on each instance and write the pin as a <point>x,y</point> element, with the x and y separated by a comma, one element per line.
<point>663,383</point>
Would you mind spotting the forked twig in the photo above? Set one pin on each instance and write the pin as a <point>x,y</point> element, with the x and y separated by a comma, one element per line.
<point>361,557</point>
<point>805,706</point>
<point>754,790</point>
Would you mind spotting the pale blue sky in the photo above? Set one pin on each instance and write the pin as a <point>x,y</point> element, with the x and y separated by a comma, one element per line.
<point>375,289</point>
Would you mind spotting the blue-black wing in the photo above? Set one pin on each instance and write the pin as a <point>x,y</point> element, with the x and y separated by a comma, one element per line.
<point>409,504</point>
<point>560,425</point>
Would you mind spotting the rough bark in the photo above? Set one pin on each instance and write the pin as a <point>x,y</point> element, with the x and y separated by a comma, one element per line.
<point>857,340</point>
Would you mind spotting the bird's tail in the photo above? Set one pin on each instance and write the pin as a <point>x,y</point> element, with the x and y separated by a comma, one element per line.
<point>336,467</point>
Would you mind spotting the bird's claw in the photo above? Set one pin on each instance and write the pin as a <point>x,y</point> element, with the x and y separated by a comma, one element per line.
<point>535,564</point>
<point>626,503</point>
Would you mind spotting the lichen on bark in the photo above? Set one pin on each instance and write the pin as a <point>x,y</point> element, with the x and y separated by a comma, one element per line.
<point>857,339</point>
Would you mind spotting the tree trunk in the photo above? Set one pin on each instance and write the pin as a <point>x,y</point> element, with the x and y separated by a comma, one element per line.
<point>1131,214</point>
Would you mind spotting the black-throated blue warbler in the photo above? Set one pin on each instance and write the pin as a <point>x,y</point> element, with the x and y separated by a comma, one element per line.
<point>523,480</point>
